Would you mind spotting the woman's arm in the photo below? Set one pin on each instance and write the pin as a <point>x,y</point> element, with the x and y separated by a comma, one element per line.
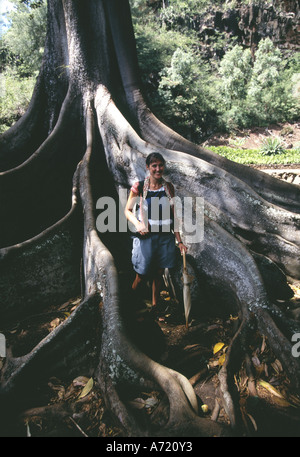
<point>140,226</point>
<point>181,246</point>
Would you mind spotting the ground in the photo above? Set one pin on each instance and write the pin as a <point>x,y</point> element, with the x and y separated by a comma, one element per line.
<point>253,138</point>
<point>74,407</point>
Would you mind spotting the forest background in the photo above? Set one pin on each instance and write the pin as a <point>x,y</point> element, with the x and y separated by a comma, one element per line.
<point>201,75</point>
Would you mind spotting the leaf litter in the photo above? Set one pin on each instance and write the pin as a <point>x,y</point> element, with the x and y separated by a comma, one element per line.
<point>199,353</point>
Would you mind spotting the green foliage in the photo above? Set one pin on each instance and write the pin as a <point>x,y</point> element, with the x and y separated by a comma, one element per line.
<point>181,14</point>
<point>194,99</point>
<point>193,95</point>
<point>196,96</point>
<point>25,37</point>
<point>267,69</point>
<point>184,96</point>
<point>14,97</point>
<point>270,91</point>
<point>21,53</point>
<point>297,147</point>
<point>271,146</point>
<point>235,70</point>
<point>261,93</point>
<point>254,156</point>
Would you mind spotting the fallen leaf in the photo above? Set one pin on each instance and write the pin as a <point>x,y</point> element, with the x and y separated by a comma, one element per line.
<point>276,365</point>
<point>256,361</point>
<point>222,359</point>
<point>253,421</point>
<point>218,347</point>
<point>87,388</point>
<point>150,402</point>
<point>55,323</point>
<point>204,408</point>
<point>80,381</point>
<point>137,403</point>
<point>282,402</point>
<point>191,346</point>
<point>213,364</point>
<point>270,388</point>
<point>263,345</point>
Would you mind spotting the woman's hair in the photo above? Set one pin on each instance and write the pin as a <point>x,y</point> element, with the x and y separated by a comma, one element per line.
<point>153,157</point>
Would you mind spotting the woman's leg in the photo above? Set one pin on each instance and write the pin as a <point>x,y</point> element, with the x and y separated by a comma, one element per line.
<point>138,282</point>
<point>157,286</point>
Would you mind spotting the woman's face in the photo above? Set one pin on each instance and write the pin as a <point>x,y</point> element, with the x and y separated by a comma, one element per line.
<point>156,169</point>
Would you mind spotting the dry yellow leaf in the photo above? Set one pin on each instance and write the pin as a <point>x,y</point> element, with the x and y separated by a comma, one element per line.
<point>270,388</point>
<point>222,359</point>
<point>87,388</point>
<point>218,347</point>
<point>282,402</point>
<point>204,408</point>
<point>55,323</point>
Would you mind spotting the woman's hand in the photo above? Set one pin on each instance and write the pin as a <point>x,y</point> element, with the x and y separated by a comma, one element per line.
<point>182,248</point>
<point>141,228</point>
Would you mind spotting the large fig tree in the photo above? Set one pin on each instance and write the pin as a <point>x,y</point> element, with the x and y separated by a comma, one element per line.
<point>85,135</point>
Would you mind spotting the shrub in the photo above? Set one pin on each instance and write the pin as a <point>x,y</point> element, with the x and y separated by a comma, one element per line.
<point>186,98</point>
<point>14,97</point>
<point>271,146</point>
<point>261,93</point>
<point>254,156</point>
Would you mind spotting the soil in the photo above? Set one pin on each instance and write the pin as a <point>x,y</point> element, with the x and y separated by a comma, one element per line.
<point>288,133</point>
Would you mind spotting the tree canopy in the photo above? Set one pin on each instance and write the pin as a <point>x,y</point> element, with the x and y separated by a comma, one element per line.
<point>219,93</point>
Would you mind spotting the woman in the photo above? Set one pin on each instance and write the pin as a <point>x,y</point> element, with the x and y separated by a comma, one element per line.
<point>154,246</point>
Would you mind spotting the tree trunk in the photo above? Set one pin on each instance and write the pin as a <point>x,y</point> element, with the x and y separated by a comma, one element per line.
<point>86,135</point>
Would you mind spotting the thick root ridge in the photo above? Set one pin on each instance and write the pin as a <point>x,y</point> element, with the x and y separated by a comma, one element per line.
<point>221,259</point>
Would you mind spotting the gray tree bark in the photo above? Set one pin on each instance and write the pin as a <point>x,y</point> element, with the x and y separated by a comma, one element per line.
<point>85,135</point>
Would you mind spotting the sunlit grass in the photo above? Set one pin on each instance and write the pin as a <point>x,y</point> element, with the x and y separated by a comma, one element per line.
<point>255,156</point>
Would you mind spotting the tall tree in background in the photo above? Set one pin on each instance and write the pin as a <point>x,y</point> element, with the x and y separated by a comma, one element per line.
<point>85,135</point>
<point>25,35</point>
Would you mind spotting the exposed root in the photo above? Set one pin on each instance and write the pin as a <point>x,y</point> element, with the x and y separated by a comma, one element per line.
<point>272,190</point>
<point>123,356</point>
<point>226,374</point>
<point>95,335</point>
<point>38,184</point>
<point>192,177</point>
<point>238,352</point>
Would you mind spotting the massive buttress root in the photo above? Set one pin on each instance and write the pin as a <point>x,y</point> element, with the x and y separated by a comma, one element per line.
<point>91,141</point>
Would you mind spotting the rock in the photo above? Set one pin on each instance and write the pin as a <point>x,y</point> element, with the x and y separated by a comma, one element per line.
<point>297,180</point>
<point>251,23</point>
